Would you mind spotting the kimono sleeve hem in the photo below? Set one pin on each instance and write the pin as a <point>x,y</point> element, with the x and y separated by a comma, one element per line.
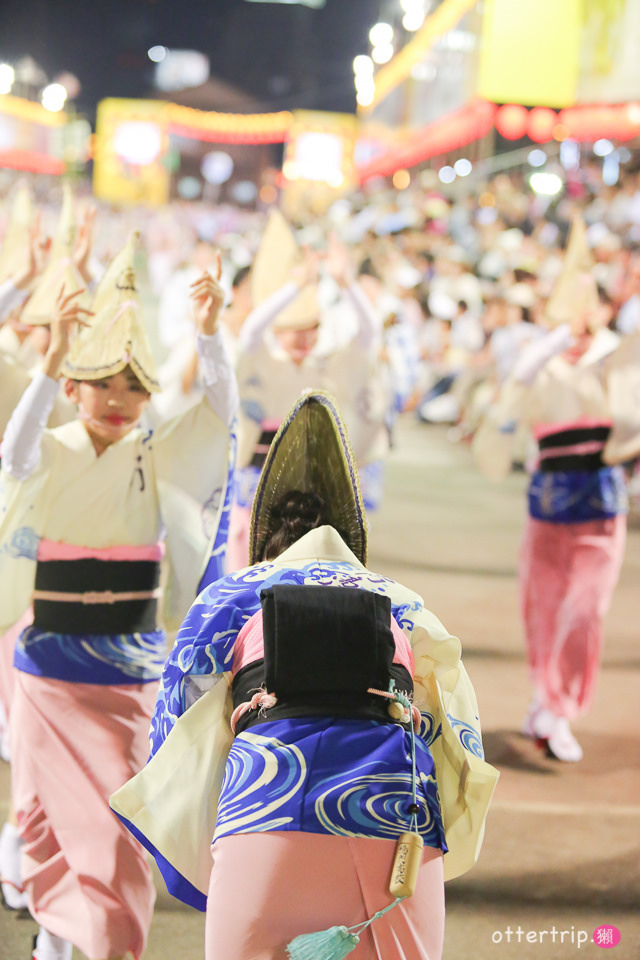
<point>177,885</point>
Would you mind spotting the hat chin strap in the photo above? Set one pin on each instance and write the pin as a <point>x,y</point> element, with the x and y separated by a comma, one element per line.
<point>86,418</point>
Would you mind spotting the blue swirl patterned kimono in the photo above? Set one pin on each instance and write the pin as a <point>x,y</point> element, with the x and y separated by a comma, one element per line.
<point>345,777</point>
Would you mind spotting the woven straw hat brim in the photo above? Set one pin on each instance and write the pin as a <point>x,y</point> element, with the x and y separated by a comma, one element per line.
<point>302,314</point>
<point>311,453</point>
<point>74,372</point>
<point>116,339</point>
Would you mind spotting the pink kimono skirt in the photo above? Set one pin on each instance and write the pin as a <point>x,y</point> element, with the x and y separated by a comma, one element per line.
<point>7,647</point>
<point>73,744</point>
<point>267,888</point>
<point>568,573</point>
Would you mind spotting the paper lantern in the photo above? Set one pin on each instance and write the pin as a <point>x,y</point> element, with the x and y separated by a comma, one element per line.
<point>512,120</point>
<point>542,122</point>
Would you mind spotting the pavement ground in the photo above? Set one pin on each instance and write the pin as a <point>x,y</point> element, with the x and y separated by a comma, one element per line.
<point>561,856</point>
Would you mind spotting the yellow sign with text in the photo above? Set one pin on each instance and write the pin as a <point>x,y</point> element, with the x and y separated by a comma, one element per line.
<point>131,145</point>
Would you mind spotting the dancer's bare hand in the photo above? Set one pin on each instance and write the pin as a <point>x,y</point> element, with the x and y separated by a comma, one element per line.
<point>38,248</point>
<point>69,317</point>
<point>207,297</point>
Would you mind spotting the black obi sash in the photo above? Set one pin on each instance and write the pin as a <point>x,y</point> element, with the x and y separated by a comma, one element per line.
<point>267,433</point>
<point>575,448</point>
<point>324,647</point>
<point>96,596</point>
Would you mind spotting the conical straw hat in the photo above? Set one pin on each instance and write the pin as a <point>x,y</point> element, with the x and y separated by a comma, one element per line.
<point>575,294</point>
<point>115,339</point>
<point>60,270</point>
<point>14,253</point>
<point>276,256</point>
<point>311,453</point>
<point>274,259</point>
<point>302,313</point>
<point>122,260</point>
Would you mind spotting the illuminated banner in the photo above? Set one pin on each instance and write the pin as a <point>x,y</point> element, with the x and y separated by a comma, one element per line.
<point>318,164</point>
<point>131,143</point>
<point>531,51</point>
<point>30,136</point>
<point>557,54</point>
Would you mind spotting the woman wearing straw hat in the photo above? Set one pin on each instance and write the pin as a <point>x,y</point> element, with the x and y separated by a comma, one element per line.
<point>289,344</point>
<point>319,715</point>
<point>86,510</point>
<point>572,389</point>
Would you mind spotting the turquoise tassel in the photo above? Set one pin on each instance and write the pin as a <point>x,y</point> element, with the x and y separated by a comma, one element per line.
<point>332,944</point>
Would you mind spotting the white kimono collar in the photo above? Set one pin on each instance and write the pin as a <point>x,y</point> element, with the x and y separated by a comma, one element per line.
<point>604,342</point>
<point>323,543</point>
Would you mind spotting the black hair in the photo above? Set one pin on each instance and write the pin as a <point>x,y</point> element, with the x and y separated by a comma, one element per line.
<point>367,269</point>
<point>292,516</point>
<point>239,276</point>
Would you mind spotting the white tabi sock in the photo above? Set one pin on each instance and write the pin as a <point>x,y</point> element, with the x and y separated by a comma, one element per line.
<point>50,947</point>
<point>12,890</point>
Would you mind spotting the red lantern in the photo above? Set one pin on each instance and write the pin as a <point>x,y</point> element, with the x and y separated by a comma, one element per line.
<point>542,121</point>
<point>511,121</point>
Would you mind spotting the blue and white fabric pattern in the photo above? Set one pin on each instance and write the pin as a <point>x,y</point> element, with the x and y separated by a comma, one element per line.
<point>577,496</point>
<point>92,658</point>
<point>347,778</point>
<point>319,774</point>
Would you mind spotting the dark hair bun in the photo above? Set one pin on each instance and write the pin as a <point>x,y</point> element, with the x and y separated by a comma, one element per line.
<point>295,514</point>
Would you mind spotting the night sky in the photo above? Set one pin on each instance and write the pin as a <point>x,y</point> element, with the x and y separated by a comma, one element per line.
<point>285,55</point>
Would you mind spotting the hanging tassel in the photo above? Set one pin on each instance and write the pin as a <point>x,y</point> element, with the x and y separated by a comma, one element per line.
<point>332,944</point>
<point>336,942</point>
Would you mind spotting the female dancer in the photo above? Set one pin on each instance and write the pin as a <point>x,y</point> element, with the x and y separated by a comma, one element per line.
<point>87,509</point>
<point>299,656</point>
<point>562,388</point>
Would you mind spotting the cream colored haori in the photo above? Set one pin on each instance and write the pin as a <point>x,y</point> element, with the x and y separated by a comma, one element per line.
<point>185,463</point>
<point>60,270</point>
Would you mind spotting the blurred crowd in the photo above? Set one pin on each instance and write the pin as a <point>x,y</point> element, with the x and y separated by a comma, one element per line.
<point>458,284</point>
<point>176,341</point>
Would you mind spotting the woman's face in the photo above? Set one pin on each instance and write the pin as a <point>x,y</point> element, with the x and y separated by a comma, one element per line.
<point>109,408</point>
<point>298,344</point>
<point>582,340</point>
